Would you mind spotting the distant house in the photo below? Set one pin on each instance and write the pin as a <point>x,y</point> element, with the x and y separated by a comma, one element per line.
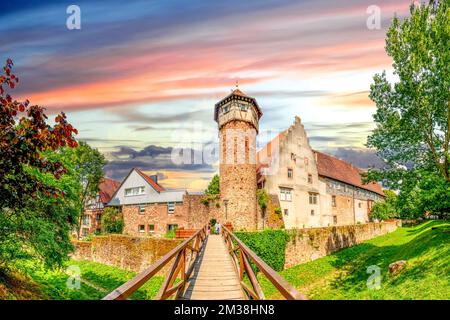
<point>147,207</point>
<point>92,216</point>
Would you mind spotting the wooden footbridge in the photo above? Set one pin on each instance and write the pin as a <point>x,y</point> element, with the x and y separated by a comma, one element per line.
<point>209,267</point>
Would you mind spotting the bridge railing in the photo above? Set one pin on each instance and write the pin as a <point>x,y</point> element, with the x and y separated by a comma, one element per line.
<point>183,257</point>
<point>241,256</point>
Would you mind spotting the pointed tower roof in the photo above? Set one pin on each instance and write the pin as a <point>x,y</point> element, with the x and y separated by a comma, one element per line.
<point>237,94</point>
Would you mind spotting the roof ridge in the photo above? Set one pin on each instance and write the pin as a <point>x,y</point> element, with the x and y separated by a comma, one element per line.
<point>152,182</point>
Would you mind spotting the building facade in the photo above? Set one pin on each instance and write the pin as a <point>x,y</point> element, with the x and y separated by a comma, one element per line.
<point>314,189</point>
<point>147,207</point>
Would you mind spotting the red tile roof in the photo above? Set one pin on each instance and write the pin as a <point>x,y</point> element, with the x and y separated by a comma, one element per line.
<point>107,188</point>
<point>337,169</point>
<point>152,182</point>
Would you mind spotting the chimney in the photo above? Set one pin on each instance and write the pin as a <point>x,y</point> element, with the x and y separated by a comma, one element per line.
<point>154,177</point>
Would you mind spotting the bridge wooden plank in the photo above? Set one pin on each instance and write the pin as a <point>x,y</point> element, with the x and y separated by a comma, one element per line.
<point>214,276</point>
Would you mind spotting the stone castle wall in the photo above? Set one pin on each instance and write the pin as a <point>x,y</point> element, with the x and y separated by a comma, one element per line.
<point>312,243</point>
<point>126,252</point>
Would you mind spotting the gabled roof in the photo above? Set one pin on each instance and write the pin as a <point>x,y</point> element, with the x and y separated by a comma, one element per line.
<point>264,156</point>
<point>107,188</point>
<point>238,95</point>
<point>337,169</point>
<point>150,181</point>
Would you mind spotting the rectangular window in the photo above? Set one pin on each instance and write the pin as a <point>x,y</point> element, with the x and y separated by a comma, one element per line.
<point>99,217</point>
<point>141,228</point>
<point>172,227</point>
<point>243,107</point>
<point>310,178</point>
<point>226,109</point>
<point>129,192</point>
<point>86,220</point>
<point>285,194</point>
<point>313,198</point>
<point>286,212</point>
<point>141,208</point>
<point>359,205</point>
<point>151,228</point>
<point>171,207</point>
<point>290,173</point>
<point>335,219</point>
<point>312,212</point>
<point>333,201</point>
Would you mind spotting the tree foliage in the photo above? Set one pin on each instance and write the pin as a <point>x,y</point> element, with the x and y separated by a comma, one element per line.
<point>24,136</point>
<point>263,198</point>
<point>385,210</point>
<point>89,163</point>
<point>214,186</point>
<point>412,133</point>
<point>112,220</point>
<point>34,192</point>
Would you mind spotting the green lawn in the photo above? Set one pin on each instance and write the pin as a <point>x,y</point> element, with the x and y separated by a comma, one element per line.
<point>343,275</point>
<point>97,280</point>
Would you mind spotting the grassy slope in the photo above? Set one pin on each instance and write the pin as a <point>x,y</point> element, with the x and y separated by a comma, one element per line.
<point>97,280</point>
<point>343,275</point>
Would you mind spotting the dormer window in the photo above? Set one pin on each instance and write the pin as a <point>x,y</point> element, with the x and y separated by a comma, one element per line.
<point>134,191</point>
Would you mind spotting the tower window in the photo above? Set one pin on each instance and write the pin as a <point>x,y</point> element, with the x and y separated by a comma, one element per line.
<point>226,109</point>
<point>243,107</point>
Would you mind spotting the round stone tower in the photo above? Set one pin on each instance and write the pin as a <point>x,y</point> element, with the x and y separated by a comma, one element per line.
<point>237,116</point>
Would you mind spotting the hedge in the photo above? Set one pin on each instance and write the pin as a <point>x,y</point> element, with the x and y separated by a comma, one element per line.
<point>269,245</point>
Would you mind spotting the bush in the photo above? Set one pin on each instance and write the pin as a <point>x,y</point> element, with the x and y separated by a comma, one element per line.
<point>383,211</point>
<point>269,245</point>
<point>112,221</point>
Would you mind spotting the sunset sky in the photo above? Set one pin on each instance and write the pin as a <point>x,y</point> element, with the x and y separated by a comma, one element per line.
<point>140,77</point>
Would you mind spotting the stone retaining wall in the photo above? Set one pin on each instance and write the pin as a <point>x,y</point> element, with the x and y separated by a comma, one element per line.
<point>312,243</point>
<point>126,252</point>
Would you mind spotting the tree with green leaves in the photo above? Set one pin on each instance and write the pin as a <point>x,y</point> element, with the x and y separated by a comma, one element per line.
<point>112,220</point>
<point>412,133</point>
<point>387,209</point>
<point>89,163</point>
<point>263,201</point>
<point>214,186</point>
<point>33,188</point>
